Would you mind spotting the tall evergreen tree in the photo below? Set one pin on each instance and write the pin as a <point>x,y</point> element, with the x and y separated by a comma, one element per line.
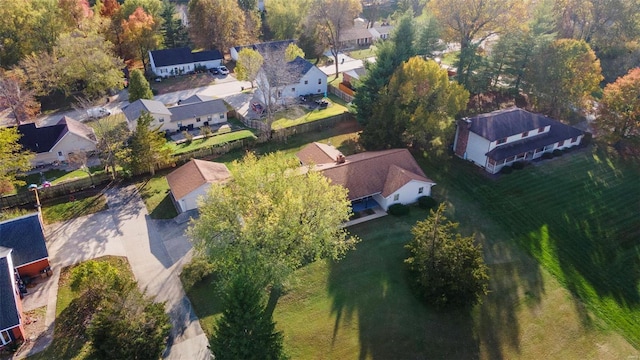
<point>139,87</point>
<point>175,34</point>
<point>246,329</point>
<point>446,269</point>
<point>148,146</point>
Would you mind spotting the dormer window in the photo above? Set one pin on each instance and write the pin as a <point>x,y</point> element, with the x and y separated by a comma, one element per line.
<point>540,130</point>
<point>501,141</point>
<point>525,134</point>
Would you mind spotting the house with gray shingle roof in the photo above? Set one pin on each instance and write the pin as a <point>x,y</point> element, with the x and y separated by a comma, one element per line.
<point>170,62</point>
<point>374,178</point>
<point>194,112</point>
<point>23,254</point>
<point>55,143</point>
<point>303,78</point>
<point>502,137</point>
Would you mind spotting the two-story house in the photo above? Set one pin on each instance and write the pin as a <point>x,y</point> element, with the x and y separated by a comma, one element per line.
<point>502,137</point>
<point>303,78</point>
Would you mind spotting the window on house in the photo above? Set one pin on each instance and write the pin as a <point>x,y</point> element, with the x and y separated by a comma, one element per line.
<point>396,197</point>
<point>574,139</point>
<point>306,82</point>
<point>501,141</point>
<point>319,90</point>
<point>59,153</point>
<point>161,120</point>
<point>540,130</point>
<point>319,81</point>
<point>209,118</point>
<point>293,89</point>
<point>560,143</point>
<point>221,116</point>
<point>420,190</point>
<point>5,338</point>
<point>525,134</point>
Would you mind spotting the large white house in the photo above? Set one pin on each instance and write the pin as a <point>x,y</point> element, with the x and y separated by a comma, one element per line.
<point>304,78</point>
<point>170,62</point>
<point>55,143</point>
<point>502,137</point>
<point>192,180</point>
<point>373,178</point>
<point>195,112</point>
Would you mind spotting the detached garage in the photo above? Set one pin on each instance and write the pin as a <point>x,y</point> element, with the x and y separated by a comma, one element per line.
<point>192,180</point>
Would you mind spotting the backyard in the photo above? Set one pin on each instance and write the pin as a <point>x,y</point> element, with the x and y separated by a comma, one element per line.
<point>300,114</point>
<point>563,254</point>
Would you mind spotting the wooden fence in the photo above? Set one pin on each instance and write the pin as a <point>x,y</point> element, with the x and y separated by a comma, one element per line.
<point>57,190</point>
<point>339,93</point>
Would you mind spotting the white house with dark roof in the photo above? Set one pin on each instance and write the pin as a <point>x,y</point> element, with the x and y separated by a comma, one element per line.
<point>372,178</point>
<point>305,78</point>
<point>261,48</point>
<point>192,180</point>
<point>170,62</point>
<point>55,143</point>
<point>195,112</point>
<point>502,137</point>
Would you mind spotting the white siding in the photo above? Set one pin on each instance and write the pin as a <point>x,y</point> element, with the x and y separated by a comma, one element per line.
<point>234,53</point>
<point>477,147</point>
<point>69,143</point>
<point>165,71</point>
<point>215,119</point>
<point>210,64</point>
<point>408,194</point>
<point>166,124</point>
<point>190,201</point>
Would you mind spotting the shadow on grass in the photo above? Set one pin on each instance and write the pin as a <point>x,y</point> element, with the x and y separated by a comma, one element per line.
<point>164,210</point>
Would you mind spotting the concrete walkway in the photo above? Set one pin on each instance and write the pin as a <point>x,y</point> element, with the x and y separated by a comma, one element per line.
<point>156,249</point>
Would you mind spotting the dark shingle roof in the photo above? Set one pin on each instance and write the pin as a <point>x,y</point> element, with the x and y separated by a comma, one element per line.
<point>557,132</point>
<point>206,55</point>
<point>299,67</point>
<point>40,140</point>
<point>9,316</point>
<point>196,109</point>
<point>135,109</point>
<point>25,236</point>
<point>503,123</point>
<point>168,57</point>
<point>266,46</point>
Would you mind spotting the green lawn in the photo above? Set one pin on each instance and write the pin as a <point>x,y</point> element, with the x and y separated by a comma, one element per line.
<point>70,340</point>
<point>210,141</point>
<point>363,54</point>
<point>572,214</point>
<point>156,196</point>
<point>57,176</point>
<point>299,115</point>
<point>63,208</point>
<point>575,215</point>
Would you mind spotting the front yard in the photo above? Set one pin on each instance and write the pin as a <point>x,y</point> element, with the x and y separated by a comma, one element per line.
<point>184,82</point>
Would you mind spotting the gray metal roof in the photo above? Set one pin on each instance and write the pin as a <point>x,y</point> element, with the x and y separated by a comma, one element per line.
<point>25,236</point>
<point>135,109</point>
<point>9,316</point>
<point>196,109</point>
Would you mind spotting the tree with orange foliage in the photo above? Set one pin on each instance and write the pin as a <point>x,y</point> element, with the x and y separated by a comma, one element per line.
<point>619,109</point>
<point>140,35</point>
<point>109,8</point>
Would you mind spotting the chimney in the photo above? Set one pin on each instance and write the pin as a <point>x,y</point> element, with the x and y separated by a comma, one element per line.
<point>340,159</point>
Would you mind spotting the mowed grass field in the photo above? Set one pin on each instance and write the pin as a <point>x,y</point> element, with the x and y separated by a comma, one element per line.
<point>561,241</point>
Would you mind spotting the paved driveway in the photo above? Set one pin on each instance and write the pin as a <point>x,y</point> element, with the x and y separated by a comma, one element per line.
<point>156,249</point>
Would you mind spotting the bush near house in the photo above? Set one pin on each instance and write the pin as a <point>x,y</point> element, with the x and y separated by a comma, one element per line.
<point>427,202</point>
<point>399,210</point>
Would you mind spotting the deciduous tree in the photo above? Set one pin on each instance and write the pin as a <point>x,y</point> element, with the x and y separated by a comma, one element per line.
<point>470,22</point>
<point>217,24</point>
<point>139,87</point>
<point>141,34</point>
<point>248,65</point>
<point>293,51</point>
<point>285,18</point>
<point>112,133</point>
<point>148,146</point>
<point>447,269</point>
<point>13,159</point>
<point>417,107</point>
<point>272,217</point>
<point>332,18</point>
<point>619,109</point>
<point>562,76</point>
<point>17,97</point>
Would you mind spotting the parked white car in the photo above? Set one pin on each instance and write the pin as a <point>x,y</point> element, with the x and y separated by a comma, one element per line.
<point>98,112</point>
<point>223,70</point>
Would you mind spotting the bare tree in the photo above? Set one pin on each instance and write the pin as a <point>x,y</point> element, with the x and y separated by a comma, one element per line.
<point>112,133</point>
<point>332,17</point>
<point>80,159</point>
<point>274,77</point>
